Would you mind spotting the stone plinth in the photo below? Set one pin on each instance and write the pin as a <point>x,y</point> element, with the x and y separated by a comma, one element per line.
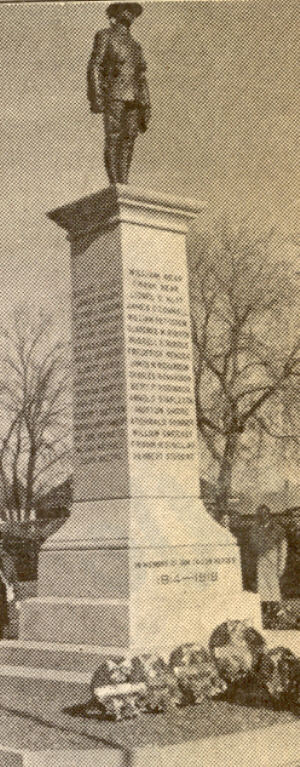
<point>139,563</point>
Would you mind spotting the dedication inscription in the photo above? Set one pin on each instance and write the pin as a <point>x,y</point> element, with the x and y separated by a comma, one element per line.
<point>204,569</point>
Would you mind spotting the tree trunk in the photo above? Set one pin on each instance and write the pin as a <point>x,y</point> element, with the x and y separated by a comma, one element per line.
<point>6,491</point>
<point>225,475</point>
<point>16,500</point>
<point>29,482</point>
<point>6,485</point>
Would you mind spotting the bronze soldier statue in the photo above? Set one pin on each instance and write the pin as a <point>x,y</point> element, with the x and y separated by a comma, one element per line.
<point>117,86</point>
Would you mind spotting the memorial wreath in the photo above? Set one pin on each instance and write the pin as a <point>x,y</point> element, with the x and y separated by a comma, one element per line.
<point>128,686</point>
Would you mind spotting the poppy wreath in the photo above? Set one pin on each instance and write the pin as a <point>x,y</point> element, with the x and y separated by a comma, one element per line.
<point>279,673</point>
<point>161,688</point>
<point>196,674</point>
<point>236,649</point>
<point>113,691</point>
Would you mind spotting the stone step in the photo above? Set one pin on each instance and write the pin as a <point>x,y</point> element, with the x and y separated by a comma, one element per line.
<point>68,657</point>
<point>104,757</point>
<point>37,690</point>
<point>86,658</point>
<point>99,622</point>
<point>126,622</point>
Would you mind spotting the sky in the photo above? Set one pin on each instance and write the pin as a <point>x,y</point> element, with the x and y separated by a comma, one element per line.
<point>224,83</point>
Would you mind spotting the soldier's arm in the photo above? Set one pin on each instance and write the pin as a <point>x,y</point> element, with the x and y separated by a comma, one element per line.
<point>144,95</point>
<point>95,71</point>
<point>142,66</point>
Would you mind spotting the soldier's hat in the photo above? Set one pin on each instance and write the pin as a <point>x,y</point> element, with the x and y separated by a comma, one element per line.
<point>114,8</point>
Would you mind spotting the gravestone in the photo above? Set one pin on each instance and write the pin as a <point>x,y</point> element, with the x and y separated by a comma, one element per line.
<point>139,563</point>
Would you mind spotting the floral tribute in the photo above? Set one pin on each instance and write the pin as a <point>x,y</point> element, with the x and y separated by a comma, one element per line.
<point>236,649</point>
<point>125,687</point>
<point>279,671</point>
<point>197,676</point>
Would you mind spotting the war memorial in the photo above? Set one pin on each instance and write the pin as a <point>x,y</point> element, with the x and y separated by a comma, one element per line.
<point>159,571</point>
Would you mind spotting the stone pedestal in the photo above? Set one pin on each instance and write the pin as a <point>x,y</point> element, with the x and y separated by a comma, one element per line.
<point>139,563</point>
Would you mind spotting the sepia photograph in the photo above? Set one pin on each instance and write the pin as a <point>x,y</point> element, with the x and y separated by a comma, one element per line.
<point>149,383</point>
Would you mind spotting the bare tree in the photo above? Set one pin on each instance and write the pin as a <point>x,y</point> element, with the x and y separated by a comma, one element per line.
<point>247,349</point>
<point>35,409</point>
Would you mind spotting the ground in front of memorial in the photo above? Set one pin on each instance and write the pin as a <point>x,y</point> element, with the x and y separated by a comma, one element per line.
<point>60,730</point>
<point>53,730</point>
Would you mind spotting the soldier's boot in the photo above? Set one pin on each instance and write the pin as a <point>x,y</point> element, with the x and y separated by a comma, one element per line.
<point>111,160</point>
<point>125,160</point>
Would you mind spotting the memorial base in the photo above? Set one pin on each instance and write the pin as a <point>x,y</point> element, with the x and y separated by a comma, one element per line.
<point>137,574</point>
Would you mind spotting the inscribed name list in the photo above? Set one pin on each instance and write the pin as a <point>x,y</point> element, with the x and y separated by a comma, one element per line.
<point>154,333</point>
<point>161,397</point>
<point>100,417</point>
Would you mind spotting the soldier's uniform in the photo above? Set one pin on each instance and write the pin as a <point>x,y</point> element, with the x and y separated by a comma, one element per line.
<point>117,87</point>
